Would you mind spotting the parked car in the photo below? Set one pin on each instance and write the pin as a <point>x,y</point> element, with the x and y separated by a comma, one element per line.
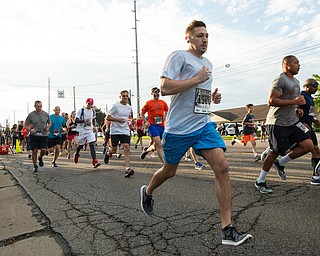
<point>230,128</point>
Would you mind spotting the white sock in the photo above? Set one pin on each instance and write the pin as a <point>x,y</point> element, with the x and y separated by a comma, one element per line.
<point>262,177</point>
<point>285,160</point>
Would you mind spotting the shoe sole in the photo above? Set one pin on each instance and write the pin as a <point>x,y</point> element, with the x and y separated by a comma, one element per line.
<point>246,238</point>
<point>314,183</point>
<point>141,200</point>
<point>143,155</point>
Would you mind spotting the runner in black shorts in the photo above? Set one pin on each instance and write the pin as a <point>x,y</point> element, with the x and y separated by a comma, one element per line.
<point>310,87</point>
<point>38,123</point>
<point>284,128</point>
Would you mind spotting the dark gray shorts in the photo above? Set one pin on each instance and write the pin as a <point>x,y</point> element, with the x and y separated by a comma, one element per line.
<point>282,138</point>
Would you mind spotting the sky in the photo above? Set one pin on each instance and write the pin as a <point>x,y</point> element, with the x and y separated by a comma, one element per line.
<point>86,48</point>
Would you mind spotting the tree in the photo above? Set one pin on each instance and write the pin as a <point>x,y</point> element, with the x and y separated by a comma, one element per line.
<point>317,95</point>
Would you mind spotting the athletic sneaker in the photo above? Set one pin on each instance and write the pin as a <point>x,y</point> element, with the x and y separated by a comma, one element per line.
<point>233,142</point>
<point>264,154</point>
<point>104,150</point>
<point>129,173</point>
<point>29,156</point>
<point>53,164</point>
<point>106,157</point>
<point>119,155</point>
<point>35,168</point>
<point>256,158</point>
<point>199,166</point>
<point>95,163</point>
<point>146,202</point>
<point>279,170</point>
<point>135,146</point>
<point>315,181</point>
<point>230,236</point>
<point>76,158</point>
<point>262,187</point>
<point>40,161</point>
<point>144,154</point>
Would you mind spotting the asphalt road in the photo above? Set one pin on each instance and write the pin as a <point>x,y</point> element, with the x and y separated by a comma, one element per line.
<point>97,211</point>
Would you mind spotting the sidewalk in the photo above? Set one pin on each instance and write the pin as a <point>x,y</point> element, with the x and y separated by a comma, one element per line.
<point>24,230</point>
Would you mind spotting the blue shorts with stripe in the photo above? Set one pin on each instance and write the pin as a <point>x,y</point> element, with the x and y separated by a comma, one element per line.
<point>175,146</point>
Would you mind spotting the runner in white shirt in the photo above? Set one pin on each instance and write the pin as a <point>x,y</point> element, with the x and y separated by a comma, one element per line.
<point>120,114</point>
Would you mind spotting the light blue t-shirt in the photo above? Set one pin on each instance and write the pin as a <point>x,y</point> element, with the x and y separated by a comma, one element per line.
<point>57,122</point>
<point>181,118</point>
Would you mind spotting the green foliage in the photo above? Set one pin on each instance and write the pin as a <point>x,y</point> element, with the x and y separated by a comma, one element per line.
<point>317,95</point>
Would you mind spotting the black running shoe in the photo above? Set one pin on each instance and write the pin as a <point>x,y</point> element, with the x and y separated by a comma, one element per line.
<point>144,154</point>
<point>41,164</point>
<point>35,169</point>
<point>106,157</point>
<point>129,173</point>
<point>146,201</point>
<point>230,236</point>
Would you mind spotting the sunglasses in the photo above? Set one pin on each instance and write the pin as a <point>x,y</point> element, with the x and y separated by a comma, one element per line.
<point>315,84</point>
<point>89,103</point>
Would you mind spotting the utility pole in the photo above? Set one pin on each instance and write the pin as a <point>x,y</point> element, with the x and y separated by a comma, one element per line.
<point>74,98</point>
<point>48,95</point>
<point>137,57</point>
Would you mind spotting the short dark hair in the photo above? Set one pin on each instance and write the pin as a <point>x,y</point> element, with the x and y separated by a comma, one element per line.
<point>249,105</point>
<point>194,24</point>
<point>288,58</point>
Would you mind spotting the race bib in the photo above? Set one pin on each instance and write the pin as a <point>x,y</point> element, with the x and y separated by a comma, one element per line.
<point>202,101</point>
<point>158,119</point>
<point>302,127</point>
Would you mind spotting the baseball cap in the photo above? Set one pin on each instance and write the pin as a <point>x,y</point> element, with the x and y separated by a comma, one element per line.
<point>89,100</point>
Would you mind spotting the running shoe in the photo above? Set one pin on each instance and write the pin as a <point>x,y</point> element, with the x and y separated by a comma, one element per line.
<point>35,169</point>
<point>256,158</point>
<point>315,181</point>
<point>53,164</point>
<point>279,170</point>
<point>187,158</point>
<point>129,173</point>
<point>95,163</point>
<point>230,236</point>
<point>146,202</point>
<point>199,166</point>
<point>40,161</point>
<point>29,156</point>
<point>76,158</point>
<point>144,154</point>
<point>119,155</point>
<point>135,146</point>
<point>104,150</point>
<point>233,142</point>
<point>262,187</point>
<point>106,157</point>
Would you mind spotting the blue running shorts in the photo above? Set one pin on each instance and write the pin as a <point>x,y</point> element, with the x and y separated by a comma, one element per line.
<point>175,146</point>
<point>156,130</point>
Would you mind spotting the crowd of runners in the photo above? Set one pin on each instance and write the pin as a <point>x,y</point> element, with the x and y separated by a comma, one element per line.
<point>183,129</point>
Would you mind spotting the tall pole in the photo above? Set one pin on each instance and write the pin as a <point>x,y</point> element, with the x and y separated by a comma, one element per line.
<point>137,57</point>
<point>48,94</point>
<point>74,98</point>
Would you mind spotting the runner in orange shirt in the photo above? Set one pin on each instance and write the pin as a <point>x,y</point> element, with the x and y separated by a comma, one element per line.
<point>157,110</point>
